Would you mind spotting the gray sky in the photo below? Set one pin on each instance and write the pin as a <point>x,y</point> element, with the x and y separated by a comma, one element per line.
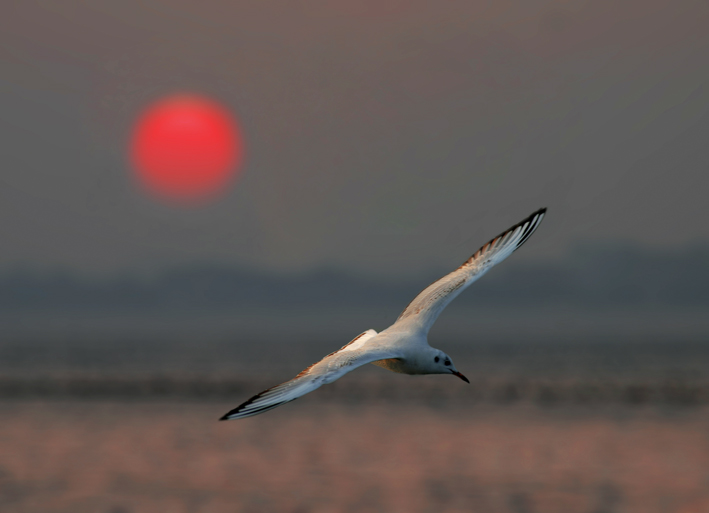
<point>382,136</point>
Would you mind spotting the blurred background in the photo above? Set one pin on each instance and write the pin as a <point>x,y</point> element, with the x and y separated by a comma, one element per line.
<point>384,143</point>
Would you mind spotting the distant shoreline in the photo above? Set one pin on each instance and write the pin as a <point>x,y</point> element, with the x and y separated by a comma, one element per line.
<point>499,391</point>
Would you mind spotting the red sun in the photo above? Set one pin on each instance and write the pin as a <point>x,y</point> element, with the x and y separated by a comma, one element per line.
<point>186,148</point>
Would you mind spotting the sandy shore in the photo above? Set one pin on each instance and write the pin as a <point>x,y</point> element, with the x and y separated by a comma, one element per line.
<point>309,456</point>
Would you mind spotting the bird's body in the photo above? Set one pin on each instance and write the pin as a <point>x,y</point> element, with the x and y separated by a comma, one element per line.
<point>403,347</point>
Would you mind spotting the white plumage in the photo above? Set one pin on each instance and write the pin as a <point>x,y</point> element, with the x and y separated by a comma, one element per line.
<point>403,347</point>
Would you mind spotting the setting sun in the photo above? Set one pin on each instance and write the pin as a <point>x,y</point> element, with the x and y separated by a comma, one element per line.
<point>186,148</point>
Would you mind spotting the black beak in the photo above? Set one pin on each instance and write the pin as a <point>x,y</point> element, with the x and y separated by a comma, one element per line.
<point>460,376</point>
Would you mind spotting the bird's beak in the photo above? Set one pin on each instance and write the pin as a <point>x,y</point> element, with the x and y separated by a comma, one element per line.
<point>456,373</point>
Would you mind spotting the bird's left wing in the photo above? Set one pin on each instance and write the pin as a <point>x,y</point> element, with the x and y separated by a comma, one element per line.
<point>423,311</point>
<point>332,367</point>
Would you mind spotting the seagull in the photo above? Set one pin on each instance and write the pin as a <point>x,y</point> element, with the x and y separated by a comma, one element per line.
<point>402,347</point>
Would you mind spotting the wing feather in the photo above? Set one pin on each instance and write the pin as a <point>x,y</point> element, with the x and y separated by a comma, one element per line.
<point>427,306</point>
<point>335,365</point>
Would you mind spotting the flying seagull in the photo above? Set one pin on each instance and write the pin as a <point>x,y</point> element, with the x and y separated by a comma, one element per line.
<point>402,347</point>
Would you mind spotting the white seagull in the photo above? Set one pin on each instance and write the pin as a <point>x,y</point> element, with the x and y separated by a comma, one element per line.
<point>402,347</point>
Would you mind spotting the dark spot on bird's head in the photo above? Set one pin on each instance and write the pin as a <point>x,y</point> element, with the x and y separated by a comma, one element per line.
<point>447,362</point>
<point>436,359</point>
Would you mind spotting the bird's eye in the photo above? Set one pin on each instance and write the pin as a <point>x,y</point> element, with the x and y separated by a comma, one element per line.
<point>436,359</point>
<point>448,362</point>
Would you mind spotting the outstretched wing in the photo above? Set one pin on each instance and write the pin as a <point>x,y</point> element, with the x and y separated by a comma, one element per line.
<point>427,306</point>
<point>332,367</point>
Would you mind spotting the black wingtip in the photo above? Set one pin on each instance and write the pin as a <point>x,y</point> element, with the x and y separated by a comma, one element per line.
<point>534,220</point>
<point>527,219</point>
<point>528,231</point>
<point>542,210</point>
<point>227,415</point>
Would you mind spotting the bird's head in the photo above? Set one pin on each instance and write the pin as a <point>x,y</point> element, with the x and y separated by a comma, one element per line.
<point>441,363</point>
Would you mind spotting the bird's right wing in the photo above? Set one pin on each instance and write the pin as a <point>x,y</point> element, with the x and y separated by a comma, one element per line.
<point>332,367</point>
<point>423,311</point>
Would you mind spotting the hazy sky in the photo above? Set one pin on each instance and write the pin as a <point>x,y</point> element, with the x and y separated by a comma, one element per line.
<point>381,135</point>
